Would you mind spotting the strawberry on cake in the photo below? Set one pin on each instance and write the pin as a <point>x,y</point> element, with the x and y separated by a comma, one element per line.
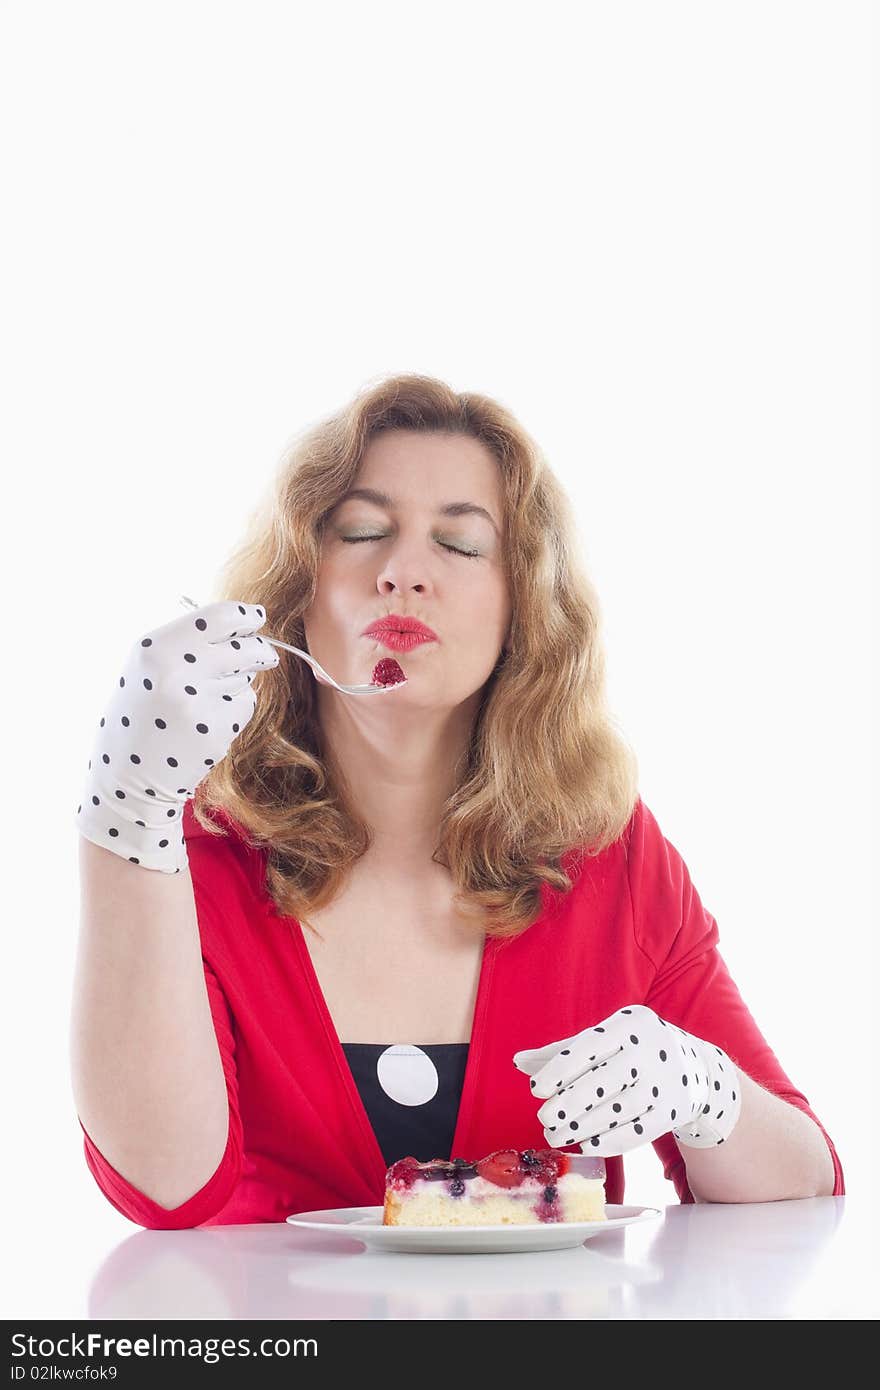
<point>509,1187</point>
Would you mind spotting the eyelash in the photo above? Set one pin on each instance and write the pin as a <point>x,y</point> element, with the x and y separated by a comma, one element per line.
<point>468,554</point>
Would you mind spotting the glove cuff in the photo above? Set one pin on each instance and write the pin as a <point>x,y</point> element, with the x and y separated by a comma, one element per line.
<point>150,835</point>
<point>721,1108</point>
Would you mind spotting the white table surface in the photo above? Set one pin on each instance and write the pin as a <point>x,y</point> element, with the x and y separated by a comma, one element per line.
<point>796,1259</point>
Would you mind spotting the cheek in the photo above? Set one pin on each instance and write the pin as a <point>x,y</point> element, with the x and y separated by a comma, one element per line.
<point>486,605</point>
<point>332,583</point>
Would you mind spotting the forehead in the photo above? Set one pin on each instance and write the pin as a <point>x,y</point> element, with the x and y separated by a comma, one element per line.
<point>413,466</point>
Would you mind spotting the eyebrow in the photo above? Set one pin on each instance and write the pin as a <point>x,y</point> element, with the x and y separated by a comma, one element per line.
<point>381,499</point>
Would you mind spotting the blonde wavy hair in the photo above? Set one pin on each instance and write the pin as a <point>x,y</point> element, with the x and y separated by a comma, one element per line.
<point>547,773</point>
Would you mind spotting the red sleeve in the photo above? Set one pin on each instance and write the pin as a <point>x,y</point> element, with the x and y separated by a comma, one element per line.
<point>211,1198</point>
<point>691,986</point>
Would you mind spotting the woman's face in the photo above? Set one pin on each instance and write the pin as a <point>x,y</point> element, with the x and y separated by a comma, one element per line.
<point>416,560</point>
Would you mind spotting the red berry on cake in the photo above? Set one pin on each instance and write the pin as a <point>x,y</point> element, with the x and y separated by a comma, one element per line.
<point>503,1168</point>
<point>403,1173</point>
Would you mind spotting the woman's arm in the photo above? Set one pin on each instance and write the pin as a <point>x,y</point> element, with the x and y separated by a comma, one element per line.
<point>778,1147</point>
<point>148,1079</point>
<point>775,1152</point>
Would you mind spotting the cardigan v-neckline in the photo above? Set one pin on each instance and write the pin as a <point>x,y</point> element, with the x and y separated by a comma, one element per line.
<point>374,1160</point>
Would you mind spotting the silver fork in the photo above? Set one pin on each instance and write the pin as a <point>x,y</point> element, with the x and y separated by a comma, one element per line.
<point>316,667</point>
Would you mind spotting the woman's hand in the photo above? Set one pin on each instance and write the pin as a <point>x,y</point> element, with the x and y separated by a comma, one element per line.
<point>182,700</point>
<point>629,1080</point>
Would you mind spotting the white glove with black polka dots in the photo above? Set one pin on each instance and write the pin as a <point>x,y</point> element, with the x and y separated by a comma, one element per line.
<point>183,697</point>
<point>630,1080</point>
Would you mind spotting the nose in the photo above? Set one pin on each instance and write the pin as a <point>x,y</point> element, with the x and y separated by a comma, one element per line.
<point>402,574</point>
<point>405,566</point>
<point>388,586</point>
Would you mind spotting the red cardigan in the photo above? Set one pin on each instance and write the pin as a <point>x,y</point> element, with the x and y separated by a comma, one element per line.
<point>632,930</point>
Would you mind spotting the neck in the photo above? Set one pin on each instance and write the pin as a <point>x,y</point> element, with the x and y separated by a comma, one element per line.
<point>398,774</point>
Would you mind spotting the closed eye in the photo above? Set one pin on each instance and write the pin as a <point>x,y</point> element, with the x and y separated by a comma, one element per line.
<point>468,554</point>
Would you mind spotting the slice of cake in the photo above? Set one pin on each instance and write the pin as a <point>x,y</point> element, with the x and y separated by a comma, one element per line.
<point>509,1187</point>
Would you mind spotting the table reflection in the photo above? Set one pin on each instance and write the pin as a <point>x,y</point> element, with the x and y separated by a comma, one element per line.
<point>709,1261</point>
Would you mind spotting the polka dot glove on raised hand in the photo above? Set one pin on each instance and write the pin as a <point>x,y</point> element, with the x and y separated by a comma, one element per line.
<point>183,697</point>
<point>629,1080</point>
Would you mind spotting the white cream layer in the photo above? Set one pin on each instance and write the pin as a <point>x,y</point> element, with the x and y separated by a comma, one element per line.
<point>480,1187</point>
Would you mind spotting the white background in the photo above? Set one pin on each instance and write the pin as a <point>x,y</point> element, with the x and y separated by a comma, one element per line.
<point>647,230</point>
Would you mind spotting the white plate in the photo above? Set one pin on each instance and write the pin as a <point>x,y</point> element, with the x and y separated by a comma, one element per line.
<point>365,1223</point>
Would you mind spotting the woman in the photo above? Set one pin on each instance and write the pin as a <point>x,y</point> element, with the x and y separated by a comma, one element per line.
<point>323,931</point>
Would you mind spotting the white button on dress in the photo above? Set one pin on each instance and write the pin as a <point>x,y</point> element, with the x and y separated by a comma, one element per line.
<point>407,1074</point>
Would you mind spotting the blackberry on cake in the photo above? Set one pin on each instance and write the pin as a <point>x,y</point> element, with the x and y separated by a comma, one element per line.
<point>508,1187</point>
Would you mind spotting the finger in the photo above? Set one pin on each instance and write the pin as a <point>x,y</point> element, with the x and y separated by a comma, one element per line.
<point>559,1073</point>
<point>568,1067</point>
<point>235,689</point>
<point>224,669</point>
<point>215,622</point>
<point>617,1136</point>
<point>596,1102</point>
<point>622,1138</point>
<point>592,1047</point>
<point>532,1059</point>
<point>241,654</point>
<point>227,619</point>
<point>611,1028</point>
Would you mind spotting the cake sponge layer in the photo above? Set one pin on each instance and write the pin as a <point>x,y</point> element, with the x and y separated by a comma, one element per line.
<point>428,1204</point>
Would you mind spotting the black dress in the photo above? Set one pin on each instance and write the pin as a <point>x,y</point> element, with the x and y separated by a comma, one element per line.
<point>411,1093</point>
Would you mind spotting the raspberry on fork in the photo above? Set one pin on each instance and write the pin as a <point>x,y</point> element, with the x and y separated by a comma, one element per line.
<point>387,672</point>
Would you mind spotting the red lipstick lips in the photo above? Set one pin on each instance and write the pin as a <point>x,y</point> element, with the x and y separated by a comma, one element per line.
<point>400,633</point>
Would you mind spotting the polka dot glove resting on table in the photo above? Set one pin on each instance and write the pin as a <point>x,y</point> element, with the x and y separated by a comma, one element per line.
<point>183,697</point>
<point>629,1080</point>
